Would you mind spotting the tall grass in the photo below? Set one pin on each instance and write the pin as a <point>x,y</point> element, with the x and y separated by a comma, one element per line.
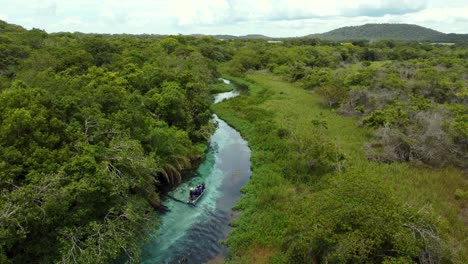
<point>267,116</point>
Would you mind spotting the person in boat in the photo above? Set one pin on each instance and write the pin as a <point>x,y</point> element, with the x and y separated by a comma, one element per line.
<point>193,193</point>
<point>202,186</point>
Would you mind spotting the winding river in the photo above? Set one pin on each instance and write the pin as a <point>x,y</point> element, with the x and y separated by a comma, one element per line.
<point>193,234</point>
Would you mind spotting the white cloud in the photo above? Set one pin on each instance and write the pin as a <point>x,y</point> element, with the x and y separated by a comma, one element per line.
<point>107,13</point>
<point>71,21</point>
<point>441,14</point>
<point>384,7</point>
<point>203,12</point>
<point>45,8</point>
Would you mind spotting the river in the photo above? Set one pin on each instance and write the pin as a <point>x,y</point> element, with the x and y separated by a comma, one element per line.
<point>192,234</point>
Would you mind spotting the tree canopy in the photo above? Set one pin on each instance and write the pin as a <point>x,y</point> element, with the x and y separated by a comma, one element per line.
<point>91,126</point>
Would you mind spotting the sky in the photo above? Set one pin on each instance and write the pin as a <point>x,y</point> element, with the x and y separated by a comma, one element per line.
<point>275,18</point>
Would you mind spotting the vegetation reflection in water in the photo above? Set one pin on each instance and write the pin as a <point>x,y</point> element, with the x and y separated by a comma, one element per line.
<point>193,234</point>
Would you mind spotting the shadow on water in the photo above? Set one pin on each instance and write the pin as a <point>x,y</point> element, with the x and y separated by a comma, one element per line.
<point>193,234</point>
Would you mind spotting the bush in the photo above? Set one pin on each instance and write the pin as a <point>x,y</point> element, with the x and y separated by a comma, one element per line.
<point>366,101</point>
<point>394,115</point>
<point>332,95</point>
<point>358,221</point>
<point>316,78</point>
<point>424,140</point>
<point>314,154</point>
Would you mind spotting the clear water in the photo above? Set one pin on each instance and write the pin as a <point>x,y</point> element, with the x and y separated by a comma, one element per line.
<point>192,234</point>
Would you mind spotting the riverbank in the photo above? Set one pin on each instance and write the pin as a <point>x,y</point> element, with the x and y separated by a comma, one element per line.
<point>222,86</point>
<point>186,230</point>
<point>308,213</point>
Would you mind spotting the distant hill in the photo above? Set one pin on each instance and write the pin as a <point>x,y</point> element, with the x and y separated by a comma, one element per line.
<point>225,36</point>
<point>250,36</point>
<point>374,32</point>
<point>6,27</point>
<point>254,36</point>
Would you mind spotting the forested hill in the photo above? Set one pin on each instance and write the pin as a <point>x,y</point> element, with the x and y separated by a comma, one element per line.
<point>390,31</point>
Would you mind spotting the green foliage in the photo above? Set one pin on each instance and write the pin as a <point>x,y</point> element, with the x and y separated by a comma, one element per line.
<point>459,124</point>
<point>314,155</point>
<point>460,194</point>
<point>333,95</point>
<point>220,87</point>
<point>392,115</point>
<point>171,105</point>
<point>243,61</point>
<point>169,44</point>
<point>10,55</point>
<point>316,78</point>
<point>355,211</point>
<point>213,50</point>
<point>91,126</point>
<point>103,51</point>
<point>384,32</point>
<point>358,221</point>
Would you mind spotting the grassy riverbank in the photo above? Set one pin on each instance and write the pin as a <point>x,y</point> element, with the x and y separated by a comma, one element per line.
<point>314,194</point>
<point>220,87</point>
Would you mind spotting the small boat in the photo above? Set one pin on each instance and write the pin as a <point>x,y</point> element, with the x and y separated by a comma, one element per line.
<point>193,199</point>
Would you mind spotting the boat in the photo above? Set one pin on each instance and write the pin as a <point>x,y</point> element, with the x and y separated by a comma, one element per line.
<point>193,200</point>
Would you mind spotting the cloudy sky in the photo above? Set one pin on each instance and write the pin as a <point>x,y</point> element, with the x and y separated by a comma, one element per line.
<point>277,18</point>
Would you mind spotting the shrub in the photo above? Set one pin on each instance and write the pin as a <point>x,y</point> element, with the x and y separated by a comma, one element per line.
<point>316,78</point>
<point>367,101</point>
<point>358,221</point>
<point>425,140</point>
<point>332,95</point>
<point>314,154</point>
<point>394,115</point>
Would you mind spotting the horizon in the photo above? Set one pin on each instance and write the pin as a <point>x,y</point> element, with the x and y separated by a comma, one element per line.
<point>227,34</point>
<point>273,18</point>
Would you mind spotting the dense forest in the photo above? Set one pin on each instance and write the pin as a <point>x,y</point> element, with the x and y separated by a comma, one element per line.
<point>91,125</point>
<point>358,149</point>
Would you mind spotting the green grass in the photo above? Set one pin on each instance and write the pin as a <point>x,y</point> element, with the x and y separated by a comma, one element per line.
<point>271,104</point>
<point>220,87</point>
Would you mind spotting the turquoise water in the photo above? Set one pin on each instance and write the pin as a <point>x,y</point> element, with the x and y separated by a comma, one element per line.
<point>192,234</point>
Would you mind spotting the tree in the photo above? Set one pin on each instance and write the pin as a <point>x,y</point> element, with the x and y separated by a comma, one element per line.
<point>245,60</point>
<point>333,95</point>
<point>103,51</point>
<point>169,44</point>
<point>172,106</point>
